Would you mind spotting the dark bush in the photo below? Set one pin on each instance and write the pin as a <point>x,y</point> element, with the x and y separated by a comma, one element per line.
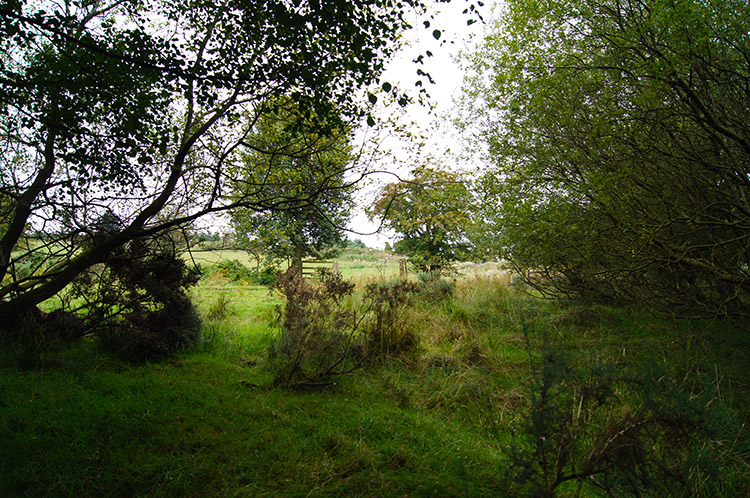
<point>137,302</point>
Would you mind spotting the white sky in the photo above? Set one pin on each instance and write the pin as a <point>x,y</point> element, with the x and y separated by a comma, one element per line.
<point>448,77</point>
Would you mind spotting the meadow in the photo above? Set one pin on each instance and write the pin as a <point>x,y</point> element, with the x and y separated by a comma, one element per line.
<point>499,394</point>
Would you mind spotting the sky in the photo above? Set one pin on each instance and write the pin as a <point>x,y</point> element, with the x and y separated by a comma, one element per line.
<point>448,78</point>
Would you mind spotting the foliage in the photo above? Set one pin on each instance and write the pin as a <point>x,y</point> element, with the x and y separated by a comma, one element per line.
<point>235,271</point>
<point>627,431</point>
<point>300,162</point>
<point>136,112</point>
<point>618,135</point>
<point>430,213</point>
<point>136,301</point>
<point>317,334</point>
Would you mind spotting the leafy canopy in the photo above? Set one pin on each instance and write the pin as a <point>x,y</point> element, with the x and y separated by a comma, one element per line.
<point>302,165</point>
<point>429,213</point>
<point>618,135</point>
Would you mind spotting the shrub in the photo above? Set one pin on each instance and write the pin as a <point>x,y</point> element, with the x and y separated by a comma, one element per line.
<point>317,341</point>
<point>137,302</point>
<point>232,270</point>
<point>266,275</point>
<point>324,335</point>
<point>629,431</point>
<point>235,271</point>
<point>434,288</point>
<point>387,332</point>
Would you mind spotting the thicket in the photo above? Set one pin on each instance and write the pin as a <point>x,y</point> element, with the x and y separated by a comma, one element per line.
<point>618,143</point>
<point>326,333</point>
<point>136,301</point>
<point>234,271</point>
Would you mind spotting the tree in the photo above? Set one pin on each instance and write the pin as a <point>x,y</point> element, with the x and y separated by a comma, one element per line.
<point>619,138</point>
<point>304,170</point>
<point>430,213</point>
<point>132,112</point>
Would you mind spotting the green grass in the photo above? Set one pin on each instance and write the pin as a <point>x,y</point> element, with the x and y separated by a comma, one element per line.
<point>354,262</point>
<point>434,423</point>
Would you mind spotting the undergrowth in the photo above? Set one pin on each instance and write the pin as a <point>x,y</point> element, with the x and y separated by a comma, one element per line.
<point>475,391</point>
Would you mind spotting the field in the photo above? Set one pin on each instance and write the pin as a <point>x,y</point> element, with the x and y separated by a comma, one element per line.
<point>502,394</point>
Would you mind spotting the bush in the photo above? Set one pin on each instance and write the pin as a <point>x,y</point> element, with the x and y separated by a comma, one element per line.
<point>317,335</point>
<point>235,271</point>
<point>324,335</point>
<point>387,332</point>
<point>434,288</point>
<point>629,431</point>
<point>266,275</point>
<point>137,302</point>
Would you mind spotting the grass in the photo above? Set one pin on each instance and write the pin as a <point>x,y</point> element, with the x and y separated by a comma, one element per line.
<point>434,423</point>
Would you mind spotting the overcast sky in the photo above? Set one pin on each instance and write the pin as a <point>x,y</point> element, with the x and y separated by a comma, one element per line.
<point>448,77</point>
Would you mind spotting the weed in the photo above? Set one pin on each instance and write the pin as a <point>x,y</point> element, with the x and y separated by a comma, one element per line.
<point>388,333</point>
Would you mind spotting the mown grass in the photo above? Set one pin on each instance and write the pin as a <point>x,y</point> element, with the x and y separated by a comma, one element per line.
<point>436,422</point>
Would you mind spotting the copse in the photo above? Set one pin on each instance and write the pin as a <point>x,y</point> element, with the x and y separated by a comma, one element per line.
<point>618,139</point>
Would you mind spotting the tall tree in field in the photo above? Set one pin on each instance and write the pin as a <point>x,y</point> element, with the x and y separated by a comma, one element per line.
<point>619,142</point>
<point>430,214</point>
<point>301,164</point>
<point>122,119</point>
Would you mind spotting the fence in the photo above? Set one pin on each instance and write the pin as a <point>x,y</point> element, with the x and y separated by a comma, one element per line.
<point>310,268</point>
